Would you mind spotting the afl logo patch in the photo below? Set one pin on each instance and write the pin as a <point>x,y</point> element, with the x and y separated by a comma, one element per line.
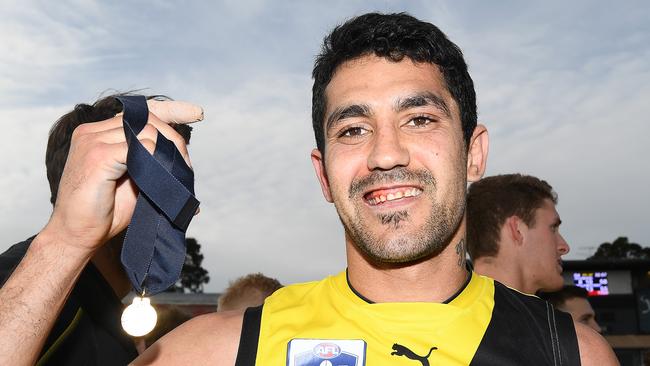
<point>326,352</point>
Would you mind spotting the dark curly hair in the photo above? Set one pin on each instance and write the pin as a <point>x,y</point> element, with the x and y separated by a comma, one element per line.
<point>392,36</point>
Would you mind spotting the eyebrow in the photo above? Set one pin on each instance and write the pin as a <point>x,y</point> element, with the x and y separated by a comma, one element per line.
<point>341,113</point>
<point>423,99</point>
<point>557,222</point>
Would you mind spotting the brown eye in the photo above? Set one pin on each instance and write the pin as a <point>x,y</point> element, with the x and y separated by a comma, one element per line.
<point>419,121</point>
<point>353,132</point>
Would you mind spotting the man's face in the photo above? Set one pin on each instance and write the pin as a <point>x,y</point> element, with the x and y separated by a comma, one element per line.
<point>581,311</point>
<point>544,247</point>
<point>395,161</point>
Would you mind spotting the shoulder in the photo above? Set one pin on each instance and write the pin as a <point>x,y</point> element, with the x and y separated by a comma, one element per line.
<point>298,294</point>
<point>210,339</point>
<point>594,349</point>
<point>516,299</point>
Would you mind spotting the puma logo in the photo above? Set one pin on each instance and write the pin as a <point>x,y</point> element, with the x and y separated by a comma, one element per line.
<point>400,350</point>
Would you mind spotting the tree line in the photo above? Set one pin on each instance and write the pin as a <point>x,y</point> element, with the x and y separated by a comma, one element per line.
<point>621,248</point>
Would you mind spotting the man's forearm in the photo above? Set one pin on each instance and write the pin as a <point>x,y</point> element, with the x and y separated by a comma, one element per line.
<point>33,296</point>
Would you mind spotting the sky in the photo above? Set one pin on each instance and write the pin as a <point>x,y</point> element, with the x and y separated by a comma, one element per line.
<point>563,88</point>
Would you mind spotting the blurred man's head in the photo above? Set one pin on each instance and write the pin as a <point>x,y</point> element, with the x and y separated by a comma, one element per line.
<point>512,221</point>
<point>247,291</point>
<point>575,301</point>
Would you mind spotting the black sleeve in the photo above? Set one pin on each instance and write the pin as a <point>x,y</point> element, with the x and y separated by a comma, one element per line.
<point>10,258</point>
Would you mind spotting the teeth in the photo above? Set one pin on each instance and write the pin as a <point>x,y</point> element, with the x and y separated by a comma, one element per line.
<point>413,192</point>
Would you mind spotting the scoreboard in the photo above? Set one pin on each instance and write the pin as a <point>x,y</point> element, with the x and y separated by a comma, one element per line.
<point>595,283</point>
<point>600,282</point>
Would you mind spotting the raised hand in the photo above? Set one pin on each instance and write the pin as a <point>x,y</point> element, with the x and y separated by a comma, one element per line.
<point>95,202</point>
<point>96,198</point>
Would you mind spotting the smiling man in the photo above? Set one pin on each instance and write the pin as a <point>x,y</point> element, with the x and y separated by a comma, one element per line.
<point>394,116</point>
<point>513,232</point>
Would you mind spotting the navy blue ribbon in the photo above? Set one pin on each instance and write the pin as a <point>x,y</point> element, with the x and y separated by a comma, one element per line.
<point>153,252</point>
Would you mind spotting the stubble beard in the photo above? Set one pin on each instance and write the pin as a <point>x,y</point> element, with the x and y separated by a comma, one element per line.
<point>402,244</point>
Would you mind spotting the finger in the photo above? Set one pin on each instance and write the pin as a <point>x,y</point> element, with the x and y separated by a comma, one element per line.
<point>111,131</point>
<point>119,151</point>
<point>94,127</point>
<point>171,134</point>
<point>169,111</point>
<point>116,135</point>
<point>172,111</point>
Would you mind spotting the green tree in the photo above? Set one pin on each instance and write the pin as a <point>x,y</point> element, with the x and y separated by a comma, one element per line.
<point>193,276</point>
<point>621,248</point>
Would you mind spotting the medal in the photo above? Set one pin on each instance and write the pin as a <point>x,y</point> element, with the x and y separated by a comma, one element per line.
<point>139,318</point>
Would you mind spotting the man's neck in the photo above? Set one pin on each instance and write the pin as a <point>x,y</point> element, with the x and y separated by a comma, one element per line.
<point>504,270</point>
<point>434,279</point>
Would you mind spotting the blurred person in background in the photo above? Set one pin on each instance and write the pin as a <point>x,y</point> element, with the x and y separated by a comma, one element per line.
<point>575,301</point>
<point>247,291</point>
<point>82,328</point>
<point>513,232</point>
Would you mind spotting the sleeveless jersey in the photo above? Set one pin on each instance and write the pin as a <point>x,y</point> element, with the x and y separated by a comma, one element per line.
<point>327,323</point>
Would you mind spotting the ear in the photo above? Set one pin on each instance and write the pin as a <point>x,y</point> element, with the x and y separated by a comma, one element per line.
<point>321,174</point>
<point>514,229</point>
<point>477,153</point>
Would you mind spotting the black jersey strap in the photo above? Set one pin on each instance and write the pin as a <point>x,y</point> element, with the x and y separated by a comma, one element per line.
<point>250,334</point>
<point>565,340</point>
<point>552,330</point>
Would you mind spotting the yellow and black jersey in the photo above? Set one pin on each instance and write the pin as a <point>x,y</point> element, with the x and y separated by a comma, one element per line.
<point>327,323</point>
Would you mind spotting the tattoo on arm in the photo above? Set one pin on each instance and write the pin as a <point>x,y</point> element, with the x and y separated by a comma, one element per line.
<point>460,250</point>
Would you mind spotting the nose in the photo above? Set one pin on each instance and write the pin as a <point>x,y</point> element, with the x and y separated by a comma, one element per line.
<point>388,151</point>
<point>563,247</point>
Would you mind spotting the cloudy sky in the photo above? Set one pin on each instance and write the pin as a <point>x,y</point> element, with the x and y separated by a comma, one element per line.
<point>564,88</point>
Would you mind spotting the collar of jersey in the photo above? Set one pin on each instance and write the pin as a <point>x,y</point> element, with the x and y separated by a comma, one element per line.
<point>468,297</point>
<point>449,300</point>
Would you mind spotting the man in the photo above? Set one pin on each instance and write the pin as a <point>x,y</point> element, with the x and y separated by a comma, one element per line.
<point>394,117</point>
<point>82,326</point>
<point>575,301</point>
<point>395,123</point>
<point>513,232</point>
<point>247,291</point>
